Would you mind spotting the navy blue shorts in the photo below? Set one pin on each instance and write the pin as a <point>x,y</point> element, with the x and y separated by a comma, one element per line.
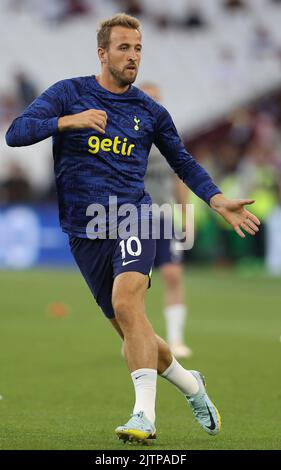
<point>100,261</point>
<point>166,251</point>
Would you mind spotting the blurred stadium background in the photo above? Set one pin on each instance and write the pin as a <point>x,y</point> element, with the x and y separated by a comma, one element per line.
<point>218,63</point>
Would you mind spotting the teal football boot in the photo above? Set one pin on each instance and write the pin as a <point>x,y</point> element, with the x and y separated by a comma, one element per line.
<point>202,407</point>
<point>137,430</point>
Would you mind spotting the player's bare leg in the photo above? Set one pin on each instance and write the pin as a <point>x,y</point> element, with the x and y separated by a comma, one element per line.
<point>175,309</point>
<point>165,356</point>
<point>141,353</point>
<point>128,295</point>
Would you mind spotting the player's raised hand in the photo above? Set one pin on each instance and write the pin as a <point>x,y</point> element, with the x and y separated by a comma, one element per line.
<point>234,212</point>
<point>91,119</point>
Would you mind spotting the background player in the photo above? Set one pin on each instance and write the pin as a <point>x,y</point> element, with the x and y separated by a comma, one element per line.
<point>165,187</point>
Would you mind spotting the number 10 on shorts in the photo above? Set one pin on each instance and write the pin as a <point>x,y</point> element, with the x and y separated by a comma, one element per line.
<point>132,247</point>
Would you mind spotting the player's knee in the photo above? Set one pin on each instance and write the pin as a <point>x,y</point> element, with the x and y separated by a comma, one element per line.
<point>128,314</point>
<point>123,310</point>
<point>172,278</point>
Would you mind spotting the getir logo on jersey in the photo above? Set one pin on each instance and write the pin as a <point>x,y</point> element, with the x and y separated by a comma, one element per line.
<point>116,146</point>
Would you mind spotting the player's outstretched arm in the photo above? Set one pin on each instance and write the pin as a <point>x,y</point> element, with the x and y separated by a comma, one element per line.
<point>198,180</point>
<point>234,212</point>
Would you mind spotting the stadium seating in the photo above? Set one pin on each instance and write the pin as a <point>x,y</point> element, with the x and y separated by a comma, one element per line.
<point>203,74</point>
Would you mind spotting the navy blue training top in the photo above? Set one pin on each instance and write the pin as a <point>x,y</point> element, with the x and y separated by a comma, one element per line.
<point>90,166</point>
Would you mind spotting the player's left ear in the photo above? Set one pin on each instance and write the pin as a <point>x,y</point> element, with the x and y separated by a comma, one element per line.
<point>102,53</point>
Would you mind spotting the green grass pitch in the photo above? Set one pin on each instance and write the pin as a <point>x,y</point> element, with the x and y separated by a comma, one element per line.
<point>64,384</point>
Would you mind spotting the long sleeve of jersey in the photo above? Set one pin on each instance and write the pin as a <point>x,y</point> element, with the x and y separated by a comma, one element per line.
<point>40,119</point>
<point>189,171</point>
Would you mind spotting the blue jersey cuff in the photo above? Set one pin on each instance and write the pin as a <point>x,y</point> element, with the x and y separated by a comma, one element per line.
<point>216,191</point>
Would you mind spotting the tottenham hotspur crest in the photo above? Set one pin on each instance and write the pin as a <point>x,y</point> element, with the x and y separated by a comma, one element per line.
<point>136,121</point>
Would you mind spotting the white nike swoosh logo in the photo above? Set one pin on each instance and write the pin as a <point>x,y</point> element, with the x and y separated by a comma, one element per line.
<point>128,262</point>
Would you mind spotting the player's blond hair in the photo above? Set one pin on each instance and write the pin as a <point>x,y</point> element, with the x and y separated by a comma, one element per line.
<point>121,19</point>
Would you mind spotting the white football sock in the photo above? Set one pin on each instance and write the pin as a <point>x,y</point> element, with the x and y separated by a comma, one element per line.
<point>175,316</point>
<point>145,389</point>
<point>181,378</point>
